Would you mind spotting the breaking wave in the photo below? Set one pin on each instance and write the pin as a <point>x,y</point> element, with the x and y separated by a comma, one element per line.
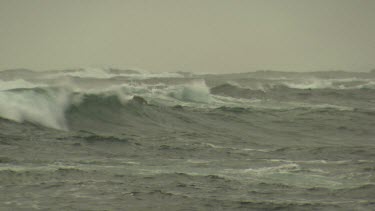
<point>195,92</point>
<point>59,99</point>
<point>64,109</point>
<point>49,106</point>
<point>44,106</point>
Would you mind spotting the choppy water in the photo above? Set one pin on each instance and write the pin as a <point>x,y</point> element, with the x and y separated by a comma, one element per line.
<point>107,139</point>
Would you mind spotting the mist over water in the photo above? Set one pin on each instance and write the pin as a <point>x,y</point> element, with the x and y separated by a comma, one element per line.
<point>112,139</point>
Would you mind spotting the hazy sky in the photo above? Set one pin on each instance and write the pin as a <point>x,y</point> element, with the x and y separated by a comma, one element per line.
<point>189,35</point>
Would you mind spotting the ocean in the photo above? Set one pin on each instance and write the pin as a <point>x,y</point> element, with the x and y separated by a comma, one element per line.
<point>112,139</point>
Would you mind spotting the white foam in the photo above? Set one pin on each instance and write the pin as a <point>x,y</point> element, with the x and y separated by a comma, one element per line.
<point>46,108</point>
<point>88,72</point>
<point>103,73</point>
<point>293,105</point>
<point>19,83</point>
<point>281,169</point>
<point>343,83</point>
<point>368,85</point>
<point>196,91</point>
<point>310,84</point>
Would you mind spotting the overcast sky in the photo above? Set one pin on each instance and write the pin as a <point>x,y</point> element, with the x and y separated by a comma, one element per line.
<point>189,35</point>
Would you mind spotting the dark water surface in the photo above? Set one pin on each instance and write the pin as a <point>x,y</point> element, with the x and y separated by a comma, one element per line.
<point>108,139</point>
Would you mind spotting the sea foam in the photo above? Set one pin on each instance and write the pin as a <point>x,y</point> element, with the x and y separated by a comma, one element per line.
<point>196,91</point>
<point>41,106</point>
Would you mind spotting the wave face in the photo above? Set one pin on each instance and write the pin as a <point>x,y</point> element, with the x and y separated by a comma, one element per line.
<point>249,141</point>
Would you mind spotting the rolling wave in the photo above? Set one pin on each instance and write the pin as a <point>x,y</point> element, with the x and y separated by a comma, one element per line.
<point>60,108</point>
<point>60,99</point>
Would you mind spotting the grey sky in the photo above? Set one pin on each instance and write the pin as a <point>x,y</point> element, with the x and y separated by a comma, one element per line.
<point>189,35</point>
